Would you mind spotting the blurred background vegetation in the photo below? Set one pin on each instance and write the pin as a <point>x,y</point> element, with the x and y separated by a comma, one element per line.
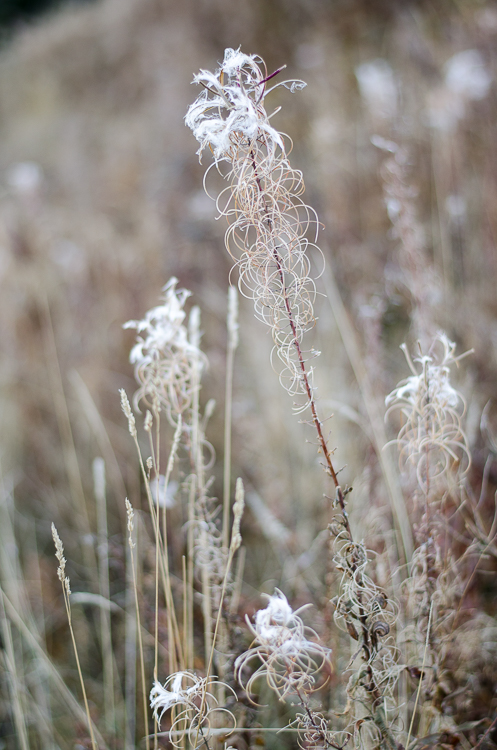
<point>15,13</point>
<point>101,201</point>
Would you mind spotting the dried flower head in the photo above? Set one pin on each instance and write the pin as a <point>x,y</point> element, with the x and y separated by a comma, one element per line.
<point>197,705</point>
<point>164,357</point>
<point>232,105</point>
<point>126,407</point>
<point>130,515</point>
<point>290,661</point>
<point>238,507</point>
<point>59,554</point>
<point>432,439</point>
<point>269,223</point>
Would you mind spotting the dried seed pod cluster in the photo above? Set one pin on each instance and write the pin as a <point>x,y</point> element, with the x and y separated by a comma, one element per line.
<point>364,611</point>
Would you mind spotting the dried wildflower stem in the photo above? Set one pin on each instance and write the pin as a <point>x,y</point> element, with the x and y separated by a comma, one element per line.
<point>154,514</point>
<point>236,541</point>
<point>103,570</point>
<point>232,326</point>
<point>268,227</point>
<point>374,692</point>
<point>296,343</point>
<point>132,545</point>
<point>66,590</point>
<point>418,692</point>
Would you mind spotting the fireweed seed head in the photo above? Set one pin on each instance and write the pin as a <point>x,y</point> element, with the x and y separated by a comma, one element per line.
<point>196,705</point>
<point>163,356</point>
<point>290,661</point>
<point>432,438</point>
<point>231,106</point>
<point>271,229</point>
<point>173,693</point>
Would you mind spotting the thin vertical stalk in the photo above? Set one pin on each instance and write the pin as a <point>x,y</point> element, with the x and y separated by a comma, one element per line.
<point>104,585</point>
<point>191,569</point>
<point>232,326</point>
<point>131,545</point>
<point>132,626</point>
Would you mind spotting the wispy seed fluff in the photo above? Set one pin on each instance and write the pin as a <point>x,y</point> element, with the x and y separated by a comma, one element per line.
<point>288,659</point>
<point>196,707</point>
<point>432,439</point>
<point>164,356</point>
<point>269,224</point>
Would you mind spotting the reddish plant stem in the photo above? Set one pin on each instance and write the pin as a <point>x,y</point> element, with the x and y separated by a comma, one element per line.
<point>305,378</point>
<point>371,687</point>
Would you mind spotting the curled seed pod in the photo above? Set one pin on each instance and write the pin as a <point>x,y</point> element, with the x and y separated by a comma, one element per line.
<point>380,600</point>
<point>336,528</point>
<point>351,629</point>
<point>355,555</point>
<point>379,630</point>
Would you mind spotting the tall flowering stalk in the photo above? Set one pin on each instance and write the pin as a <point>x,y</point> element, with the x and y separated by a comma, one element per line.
<point>270,233</point>
<point>269,223</point>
